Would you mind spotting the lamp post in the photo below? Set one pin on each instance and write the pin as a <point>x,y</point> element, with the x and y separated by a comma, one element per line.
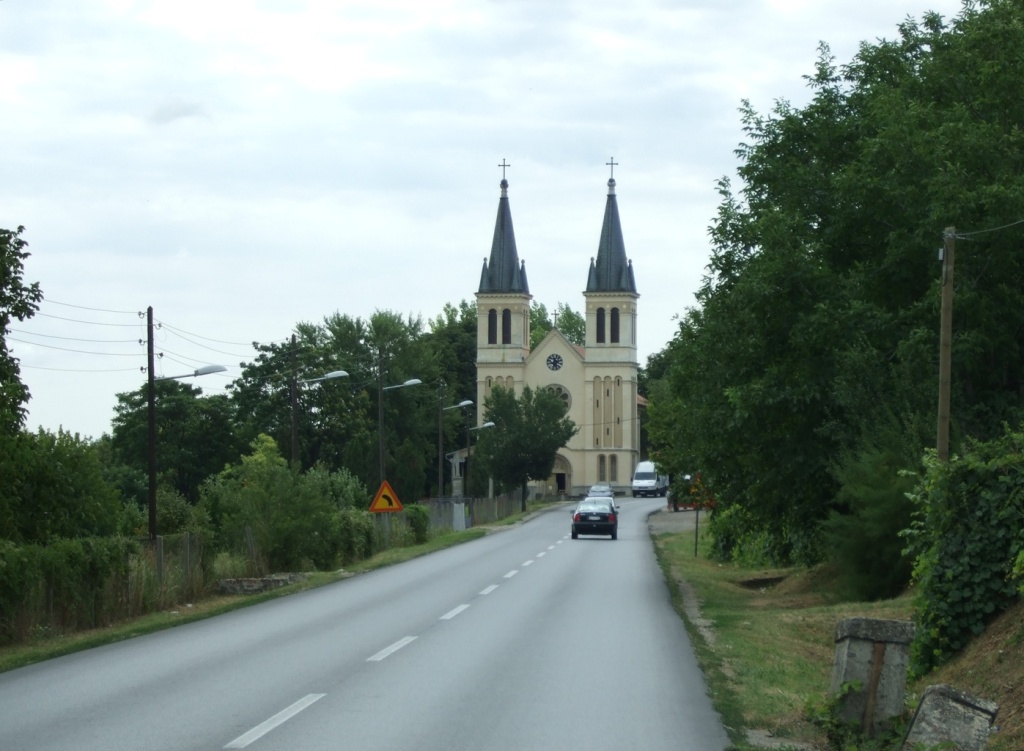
<point>151,406</point>
<point>294,398</point>
<point>381,388</point>
<point>469,448</point>
<point>440,437</point>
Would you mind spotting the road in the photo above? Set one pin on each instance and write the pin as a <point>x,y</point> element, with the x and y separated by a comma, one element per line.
<point>524,639</point>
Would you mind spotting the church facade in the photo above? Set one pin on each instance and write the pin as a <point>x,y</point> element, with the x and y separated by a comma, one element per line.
<point>598,381</point>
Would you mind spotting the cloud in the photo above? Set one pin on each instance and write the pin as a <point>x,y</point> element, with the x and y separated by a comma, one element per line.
<point>170,111</point>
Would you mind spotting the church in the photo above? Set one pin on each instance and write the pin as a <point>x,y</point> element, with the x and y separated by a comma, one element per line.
<point>598,381</point>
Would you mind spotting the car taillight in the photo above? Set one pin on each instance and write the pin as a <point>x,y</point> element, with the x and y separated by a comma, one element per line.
<point>611,517</point>
<point>576,517</point>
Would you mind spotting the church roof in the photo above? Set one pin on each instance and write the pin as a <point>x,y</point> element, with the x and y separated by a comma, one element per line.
<point>504,272</point>
<point>611,272</point>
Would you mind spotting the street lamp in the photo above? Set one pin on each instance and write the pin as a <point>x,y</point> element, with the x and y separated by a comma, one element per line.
<point>151,399</point>
<point>294,389</point>
<point>469,448</point>
<point>440,438</point>
<point>381,388</point>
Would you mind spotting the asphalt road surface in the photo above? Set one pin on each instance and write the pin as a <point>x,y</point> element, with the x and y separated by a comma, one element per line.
<point>524,639</point>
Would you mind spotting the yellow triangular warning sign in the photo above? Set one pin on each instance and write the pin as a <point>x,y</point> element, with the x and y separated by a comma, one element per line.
<point>385,500</point>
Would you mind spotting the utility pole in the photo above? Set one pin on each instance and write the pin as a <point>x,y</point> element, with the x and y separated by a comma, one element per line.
<point>151,420</point>
<point>945,343</point>
<point>294,398</point>
<point>440,438</point>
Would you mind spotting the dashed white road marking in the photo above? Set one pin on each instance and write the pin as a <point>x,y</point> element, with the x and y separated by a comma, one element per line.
<point>551,547</point>
<point>541,554</point>
<point>489,589</point>
<point>511,573</point>
<point>527,563</point>
<point>453,612</point>
<point>281,717</point>
<point>387,651</point>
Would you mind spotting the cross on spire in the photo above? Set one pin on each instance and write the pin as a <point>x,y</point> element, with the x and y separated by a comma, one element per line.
<point>503,165</point>
<point>613,164</point>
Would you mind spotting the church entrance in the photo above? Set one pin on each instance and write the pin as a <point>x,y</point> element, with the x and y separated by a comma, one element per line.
<point>562,475</point>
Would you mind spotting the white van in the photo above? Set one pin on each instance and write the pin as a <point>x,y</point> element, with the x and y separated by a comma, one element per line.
<point>647,481</point>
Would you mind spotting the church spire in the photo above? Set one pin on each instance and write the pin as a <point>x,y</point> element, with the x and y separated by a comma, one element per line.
<point>504,272</point>
<point>611,272</point>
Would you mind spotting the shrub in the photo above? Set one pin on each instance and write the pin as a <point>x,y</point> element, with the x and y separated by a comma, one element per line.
<point>864,542</point>
<point>966,536</point>
<point>418,519</point>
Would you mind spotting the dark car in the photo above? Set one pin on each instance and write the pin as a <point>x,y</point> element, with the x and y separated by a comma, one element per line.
<point>595,516</point>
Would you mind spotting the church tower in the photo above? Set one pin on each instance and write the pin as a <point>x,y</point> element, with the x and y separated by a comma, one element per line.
<point>611,430</point>
<point>503,309</point>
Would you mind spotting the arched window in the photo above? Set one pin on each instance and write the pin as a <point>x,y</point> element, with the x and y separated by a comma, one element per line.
<point>600,325</point>
<point>492,326</point>
<point>613,473</point>
<point>601,468</point>
<point>506,326</point>
<point>615,326</point>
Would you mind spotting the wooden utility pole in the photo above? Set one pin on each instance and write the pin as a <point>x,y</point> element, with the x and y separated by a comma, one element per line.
<point>945,343</point>
<point>293,398</point>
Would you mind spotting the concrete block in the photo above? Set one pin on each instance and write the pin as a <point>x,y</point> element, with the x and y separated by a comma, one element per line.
<point>948,716</point>
<point>873,655</point>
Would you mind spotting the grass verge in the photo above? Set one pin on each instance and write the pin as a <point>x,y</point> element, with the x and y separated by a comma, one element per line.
<point>764,638</point>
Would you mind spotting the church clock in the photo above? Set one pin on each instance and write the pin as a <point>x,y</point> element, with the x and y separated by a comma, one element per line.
<point>554,362</point>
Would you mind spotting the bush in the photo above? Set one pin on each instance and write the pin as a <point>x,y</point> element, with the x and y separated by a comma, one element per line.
<point>966,536</point>
<point>418,519</point>
<point>864,542</point>
<point>68,584</point>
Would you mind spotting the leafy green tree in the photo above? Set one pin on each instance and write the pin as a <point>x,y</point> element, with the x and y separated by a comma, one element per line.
<point>52,486</point>
<point>338,420</point>
<point>452,346</point>
<point>294,524</point>
<point>18,301</point>
<point>196,436</point>
<point>540,323</point>
<point>572,324</point>
<point>816,323</point>
<point>527,433</point>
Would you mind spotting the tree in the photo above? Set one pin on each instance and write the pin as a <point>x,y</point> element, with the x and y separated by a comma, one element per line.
<point>17,302</point>
<point>293,522</point>
<point>527,433</point>
<point>572,324</point>
<point>52,486</point>
<point>815,327</point>
<point>196,435</point>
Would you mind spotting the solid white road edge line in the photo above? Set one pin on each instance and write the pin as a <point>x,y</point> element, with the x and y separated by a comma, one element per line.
<point>387,651</point>
<point>489,589</point>
<point>283,716</point>
<point>453,612</point>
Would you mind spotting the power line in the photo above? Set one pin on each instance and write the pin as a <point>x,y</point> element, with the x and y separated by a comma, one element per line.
<point>198,344</point>
<point>84,307</point>
<point>75,339</point>
<point>78,370</point>
<point>77,351</point>
<point>89,323</point>
<point>966,236</point>
<point>218,341</point>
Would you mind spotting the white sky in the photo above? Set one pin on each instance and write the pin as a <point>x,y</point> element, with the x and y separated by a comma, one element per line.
<point>244,165</point>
